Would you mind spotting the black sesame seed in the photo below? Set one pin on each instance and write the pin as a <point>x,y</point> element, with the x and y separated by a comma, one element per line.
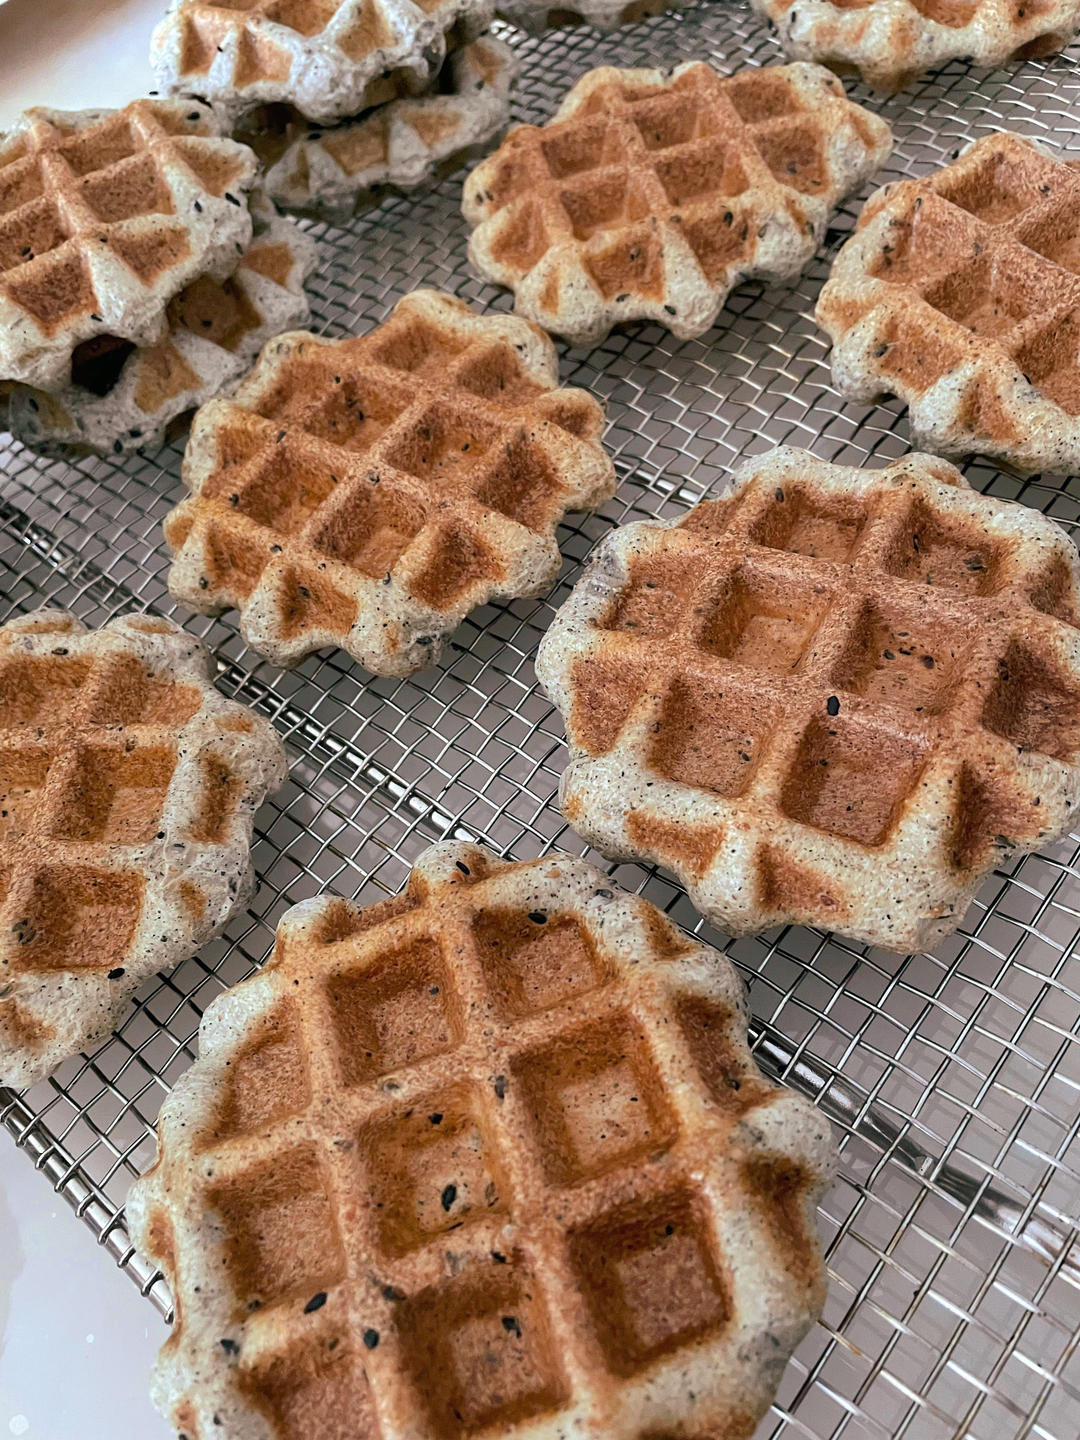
<point>436,1118</point>
<point>606,894</point>
<point>832,705</point>
<point>500,1086</point>
<point>198,206</point>
<point>463,867</point>
<point>538,917</point>
<point>390,1292</point>
<point>315,1303</point>
<point>449,1195</point>
<point>498,1258</point>
<point>928,661</point>
<point>670,309</point>
<point>115,974</point>
<point>231,198</point>
<point>512,1325</point>
<point>371,1338</point>
<point>229,1346</point>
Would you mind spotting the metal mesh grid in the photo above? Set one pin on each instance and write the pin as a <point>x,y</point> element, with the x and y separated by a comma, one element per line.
<point>953,1078</point>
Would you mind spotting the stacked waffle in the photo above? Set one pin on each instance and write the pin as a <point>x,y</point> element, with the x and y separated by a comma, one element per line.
<point>342,99</point>
<point>135,281</point>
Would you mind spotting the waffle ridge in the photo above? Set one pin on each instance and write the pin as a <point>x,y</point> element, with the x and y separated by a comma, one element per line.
<point>329,58</point>
<point>128,397</point>
<point>960,293</point>
<point>832,697</point>
<point>335,173</point>
<point>488,1157</point>
<point>890,42</point>
<point>649,196</point>
<point>369,492</point>
<point>128,787</point>
<point>104,216</point>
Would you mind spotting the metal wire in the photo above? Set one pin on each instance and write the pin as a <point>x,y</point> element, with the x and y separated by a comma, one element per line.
<point>953,1078</point>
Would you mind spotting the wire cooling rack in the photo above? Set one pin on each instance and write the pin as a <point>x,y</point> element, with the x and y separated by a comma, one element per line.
<point>953,1078</point>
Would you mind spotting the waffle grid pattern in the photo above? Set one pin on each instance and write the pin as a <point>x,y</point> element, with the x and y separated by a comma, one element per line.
<point>369,493</point>
<point>329,58</point>
<point>961,294</point>
<point>889,44</point>
<point>611,212</point>
<point>104,217</point>
<point>953,1284</point>
<point>506,1060</point>
<point>824,680</point>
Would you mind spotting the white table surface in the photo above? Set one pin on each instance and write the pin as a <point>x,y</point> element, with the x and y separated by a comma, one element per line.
<point>76,1338</point>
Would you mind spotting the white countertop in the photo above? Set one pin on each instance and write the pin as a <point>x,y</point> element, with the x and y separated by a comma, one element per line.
<point>76,1338</point>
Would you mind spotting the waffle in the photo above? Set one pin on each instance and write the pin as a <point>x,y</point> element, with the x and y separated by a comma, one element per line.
<point>960,293</point>
<point>328,58</point>
<point>334,173</point>
<point>128,785</point>
<point>834,697</point>
<point>890,42</point>
<point>369,492</point>
<point>649,196</point>
<point>124,398</point>
<point>491,1157</point>
<point>538,15</point>
<point>104,216</point>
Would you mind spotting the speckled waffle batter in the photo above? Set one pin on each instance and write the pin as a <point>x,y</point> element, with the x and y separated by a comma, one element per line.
<point>489,1158</point>
<point>334,172</point>
<point>369,492</point>
<point>648,196</point>
<point>890,42</point>
<point>538,15</point>
<point>104,217</point>
<point>834,697</point>
<point>124,398</point>
<point>960,293</point>
<point>128,787</point>
<point>329,58</point>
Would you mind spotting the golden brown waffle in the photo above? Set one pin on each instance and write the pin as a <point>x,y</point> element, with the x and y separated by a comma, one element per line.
<point>104,216</point>
<point>128,786</point>
<point>333,173</point>
<point>329,58</point>
<point>369,492</point>
<point>489,1158</point>
<point>649,196</point>
<point>960,293</point>
<point>125,397</point>
<point>890,42</point>
<point>834,697</point>
<point>538,15</point>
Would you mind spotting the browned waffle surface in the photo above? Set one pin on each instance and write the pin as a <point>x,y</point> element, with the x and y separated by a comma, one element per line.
<point>539,15</point>
<point>124,397</point>
<point>369,492</point>
<point>960,293</point>
<point>833,697</point>
<point>890,42</point>
<point>104,216</point>
<point>489,1158</point>
<point>334,172</point>
<point>648,196</point>
<point>128,787</point>
<point>329,58</point>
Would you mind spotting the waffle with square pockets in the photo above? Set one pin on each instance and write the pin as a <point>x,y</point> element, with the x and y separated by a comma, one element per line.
<point>960,293</point>
<point>891,42</point>
<point>649,196</point>
<point>124,398</point>
<point>329,58</point>
<point>536,16</point>
<point>128,787</point>
<point>492,1157</point>
<point>833,697</point>
<point>333,173</point>
<point>104,217</point>
<point>369,492</point>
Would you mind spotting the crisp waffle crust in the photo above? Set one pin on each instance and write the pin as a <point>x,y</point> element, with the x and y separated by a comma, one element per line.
<point>369,492</point>
<point>833,697</point>
<point>127,397</point>
<point>329,58</point>
<point>128,787</point>
<point>960,293</point>
<point>490,1157</point>
<point>890,42</point>
<point>334,173</point>
<point>104,217</point>
<point>648,196</point>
